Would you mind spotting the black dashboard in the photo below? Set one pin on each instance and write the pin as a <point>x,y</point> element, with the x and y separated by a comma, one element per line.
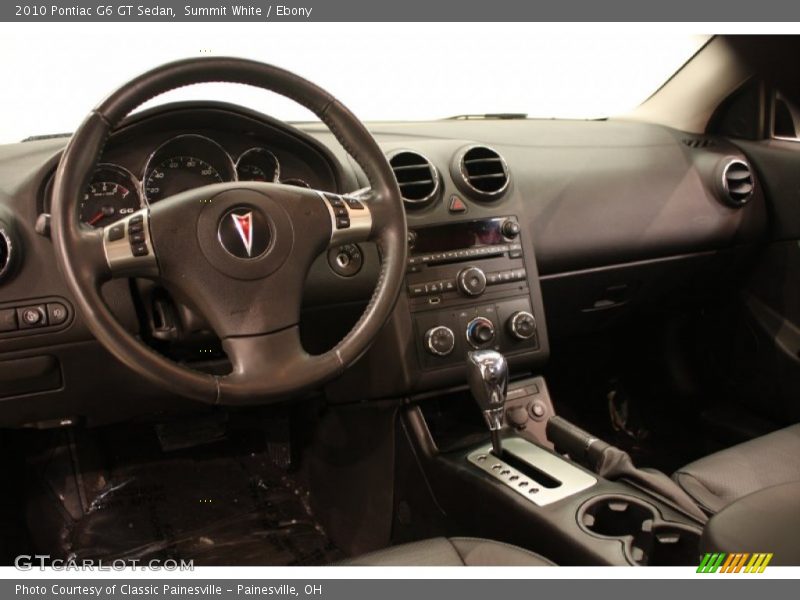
<point>571,223</point>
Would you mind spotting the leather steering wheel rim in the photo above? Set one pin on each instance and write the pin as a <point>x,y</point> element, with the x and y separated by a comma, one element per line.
<point>271,365</point>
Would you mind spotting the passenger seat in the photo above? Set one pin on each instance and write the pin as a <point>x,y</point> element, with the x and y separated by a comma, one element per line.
<point>719,479</point>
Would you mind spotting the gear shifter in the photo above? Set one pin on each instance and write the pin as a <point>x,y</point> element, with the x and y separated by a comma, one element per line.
<point>487,374</point>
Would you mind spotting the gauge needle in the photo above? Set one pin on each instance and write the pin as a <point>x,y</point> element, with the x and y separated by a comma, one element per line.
<point>106,211</point>
<point>96,218</point>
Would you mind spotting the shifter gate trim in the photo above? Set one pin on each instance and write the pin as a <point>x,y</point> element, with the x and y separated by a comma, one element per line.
<point>571,479</point>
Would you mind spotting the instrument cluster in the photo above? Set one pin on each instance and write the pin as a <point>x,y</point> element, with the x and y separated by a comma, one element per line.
<point>181,163</point>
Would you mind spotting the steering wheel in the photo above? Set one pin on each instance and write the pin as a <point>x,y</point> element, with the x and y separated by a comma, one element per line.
<point>238,252</point>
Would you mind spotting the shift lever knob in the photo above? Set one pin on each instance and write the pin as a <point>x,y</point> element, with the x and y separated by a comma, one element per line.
<point>487,374</point>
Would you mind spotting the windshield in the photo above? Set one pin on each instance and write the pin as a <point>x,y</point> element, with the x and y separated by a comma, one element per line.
<point>53,74</point>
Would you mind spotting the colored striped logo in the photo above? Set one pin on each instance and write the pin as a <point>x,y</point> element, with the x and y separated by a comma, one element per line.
<point>740,562</point>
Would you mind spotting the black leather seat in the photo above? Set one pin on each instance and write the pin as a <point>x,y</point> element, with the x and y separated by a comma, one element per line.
<point>451,552</point>
<point>719,479</point>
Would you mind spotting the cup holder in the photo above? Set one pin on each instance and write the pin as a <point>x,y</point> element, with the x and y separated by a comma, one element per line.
<point>646,538</point>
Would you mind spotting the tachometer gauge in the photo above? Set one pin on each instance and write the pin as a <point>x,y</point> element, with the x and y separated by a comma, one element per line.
<point>112,194</point>
<point>183,163</point>
<point>258,164</point>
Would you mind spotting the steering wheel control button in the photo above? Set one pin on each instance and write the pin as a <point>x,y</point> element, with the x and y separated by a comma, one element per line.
<point>8,320</point>
<point>32,316</point>
<point>56,313</point>
<point>522,325</point>
<point>456,205</point>
<point>480,332</point>
<point>139,250</point>
<point>244,232</point>
<point>116,232</point>
<point>440,340</point>
<point>346,260</point>
<point>472,281</point>
<point>353,203</point>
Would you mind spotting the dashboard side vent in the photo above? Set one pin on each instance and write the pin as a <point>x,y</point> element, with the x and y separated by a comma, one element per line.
<point>699,142</point>
<point>416,176</point>
<point>483,171</point>
<point>738,183</point>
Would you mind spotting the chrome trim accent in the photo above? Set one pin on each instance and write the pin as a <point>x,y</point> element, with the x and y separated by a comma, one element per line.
<point>260,150</point>
<point>464,176</point>
<point>118,253</point>
<point>360,222</point>
<point>6,267</point>
<point>429,335</point>
<point>474,321</point>
<point>462,284</point>
<point>725,188</point>
<point>572,479</point>
<point>517,315</point>
<point>437,179</point>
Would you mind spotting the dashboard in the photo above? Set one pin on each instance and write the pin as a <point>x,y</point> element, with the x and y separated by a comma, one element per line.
<point>520,233</point>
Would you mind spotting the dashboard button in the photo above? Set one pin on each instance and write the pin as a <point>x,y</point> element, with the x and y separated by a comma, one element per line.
<point>8,320</point>
<point>456,205</point>
<point>510,229</point>
<point>32,316</point>
<point>417,289</point>
<point>56,313</point>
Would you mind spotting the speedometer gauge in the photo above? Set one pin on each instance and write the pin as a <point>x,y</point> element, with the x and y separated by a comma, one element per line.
<point>183,163</point>
<point>112,194</point>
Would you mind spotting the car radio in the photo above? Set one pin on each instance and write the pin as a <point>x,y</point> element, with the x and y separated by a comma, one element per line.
<point>467,288</point>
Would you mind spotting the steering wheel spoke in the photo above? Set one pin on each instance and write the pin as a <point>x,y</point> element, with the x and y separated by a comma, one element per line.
<point>280,361</point>
<point>129,248</point>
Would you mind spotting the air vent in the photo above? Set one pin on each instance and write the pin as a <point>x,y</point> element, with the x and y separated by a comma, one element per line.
<point>699,142</point>
<point>6,253</point>
<point>417,177</point>
<point>737,183</point>
<point>483,171</point>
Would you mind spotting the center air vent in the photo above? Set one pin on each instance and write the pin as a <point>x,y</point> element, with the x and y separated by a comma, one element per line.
<point>737,183</point>
<point>417,177</point>
<point>483,172</point>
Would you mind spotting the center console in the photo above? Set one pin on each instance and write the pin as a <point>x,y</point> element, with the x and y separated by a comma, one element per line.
<point>472,285</point>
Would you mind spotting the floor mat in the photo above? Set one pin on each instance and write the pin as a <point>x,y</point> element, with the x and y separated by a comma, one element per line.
<point>211,505</point>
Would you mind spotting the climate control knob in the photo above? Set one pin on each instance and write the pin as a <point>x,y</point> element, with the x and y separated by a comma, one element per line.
<point>522,325</point>
<point>440,340</point>
<point>480,331</point>
<point>472,281</point>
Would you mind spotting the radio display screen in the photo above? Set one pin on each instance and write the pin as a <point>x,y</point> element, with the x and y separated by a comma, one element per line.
<point>457,236</point>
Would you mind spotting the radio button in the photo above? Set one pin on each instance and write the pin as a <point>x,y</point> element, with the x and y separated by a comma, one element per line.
<point>417,289</point>
<point>472,281</point>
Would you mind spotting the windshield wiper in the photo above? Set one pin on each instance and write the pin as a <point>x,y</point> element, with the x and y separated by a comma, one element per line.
<point>487,116</point>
